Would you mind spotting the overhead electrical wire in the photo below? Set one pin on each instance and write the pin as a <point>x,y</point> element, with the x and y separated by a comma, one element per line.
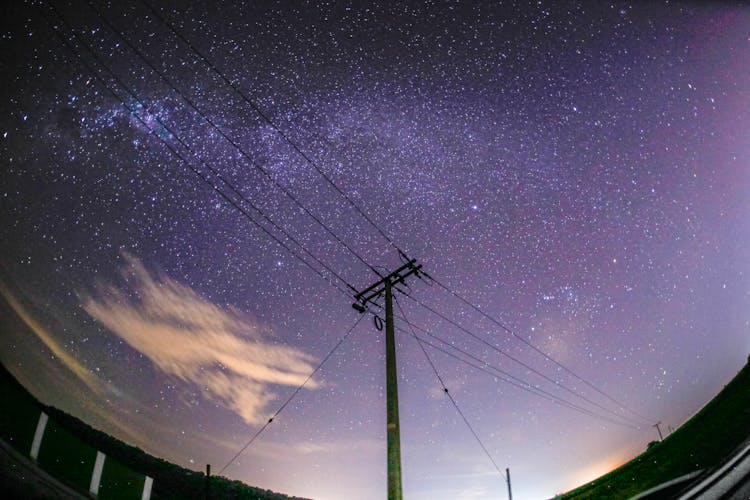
<point>289,399</point>
<point>506,377</point>
<point>296,147</point>
<point>223,134</point>
<point>525,386</point>
<point>522,363</point>
<point>518,361</point>
<point>273,125</point>
<point>547,356</point>
<point>232,202</point>
<point>174,151</point>
<point>447,393</point>
<point>265,117</point>
<point>500,374</point>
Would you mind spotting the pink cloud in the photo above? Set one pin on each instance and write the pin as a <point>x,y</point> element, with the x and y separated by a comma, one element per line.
<point>186,335</point>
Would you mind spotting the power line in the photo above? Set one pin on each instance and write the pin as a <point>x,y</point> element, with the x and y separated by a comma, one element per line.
<point>185,161</point>
<point>174,151</point>
<point>499,374</point>
<point>312,163</point>
<point>273,125</point>
<point>525,386</point>
<point>223,134</point>
<point>450,396</point>
<point>296,391</point>
<point>266,118</point>
<point>244,212</point>
<point>518,361</point>
<point>237,192</point>
<point>511,379</point>
<point>537,349</point>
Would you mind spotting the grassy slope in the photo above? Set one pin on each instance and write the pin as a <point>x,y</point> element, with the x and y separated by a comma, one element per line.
<point>703,442</point>
<point>170,481</point>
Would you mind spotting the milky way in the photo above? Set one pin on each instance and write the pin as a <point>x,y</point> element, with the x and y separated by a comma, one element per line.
<point>579,171</point>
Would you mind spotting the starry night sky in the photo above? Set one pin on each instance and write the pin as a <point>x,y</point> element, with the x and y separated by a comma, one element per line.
<point>578,170</point>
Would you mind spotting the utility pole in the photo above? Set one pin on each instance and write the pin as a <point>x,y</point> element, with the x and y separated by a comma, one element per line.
<point>507,478</point>
<point>661,438</point>
<point>391,377</point>
<point>208,481</point>
<point>385,286</point>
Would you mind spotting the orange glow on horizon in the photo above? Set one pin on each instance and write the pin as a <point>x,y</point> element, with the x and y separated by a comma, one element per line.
<point>597,469</point>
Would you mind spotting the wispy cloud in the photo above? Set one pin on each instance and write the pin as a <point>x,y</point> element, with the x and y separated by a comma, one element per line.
<point>345,448</point>
<point>57,349</point>
<point>112,414</point>
<point>185,335</point>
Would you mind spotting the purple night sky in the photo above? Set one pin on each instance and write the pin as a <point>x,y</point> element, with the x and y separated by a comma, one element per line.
<point>578,170</point>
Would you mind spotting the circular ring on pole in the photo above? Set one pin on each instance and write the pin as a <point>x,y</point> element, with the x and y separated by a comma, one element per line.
<point>378,323</point>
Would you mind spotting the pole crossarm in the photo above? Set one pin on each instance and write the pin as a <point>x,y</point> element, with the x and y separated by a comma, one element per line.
<point>378,288</point>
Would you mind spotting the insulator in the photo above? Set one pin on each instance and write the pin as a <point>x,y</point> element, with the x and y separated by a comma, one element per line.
<point>358,307</point>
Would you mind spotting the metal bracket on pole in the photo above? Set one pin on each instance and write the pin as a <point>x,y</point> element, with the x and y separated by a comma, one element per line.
<point>378,288</point>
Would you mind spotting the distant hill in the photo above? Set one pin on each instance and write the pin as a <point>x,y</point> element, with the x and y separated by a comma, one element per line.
<point>170,481</point>
<point>703,443</point>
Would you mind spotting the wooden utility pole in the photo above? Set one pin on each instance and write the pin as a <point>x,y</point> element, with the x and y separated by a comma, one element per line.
<point>385,286</point>
<point>208,481</point>
<point>507,478</point>
<point>391,389</point>
<point>661,438</point>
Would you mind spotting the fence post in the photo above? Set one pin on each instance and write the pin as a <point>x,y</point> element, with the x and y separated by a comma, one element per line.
<point>96,476</point>
<point>147,485</point>
<point>38,435</point>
